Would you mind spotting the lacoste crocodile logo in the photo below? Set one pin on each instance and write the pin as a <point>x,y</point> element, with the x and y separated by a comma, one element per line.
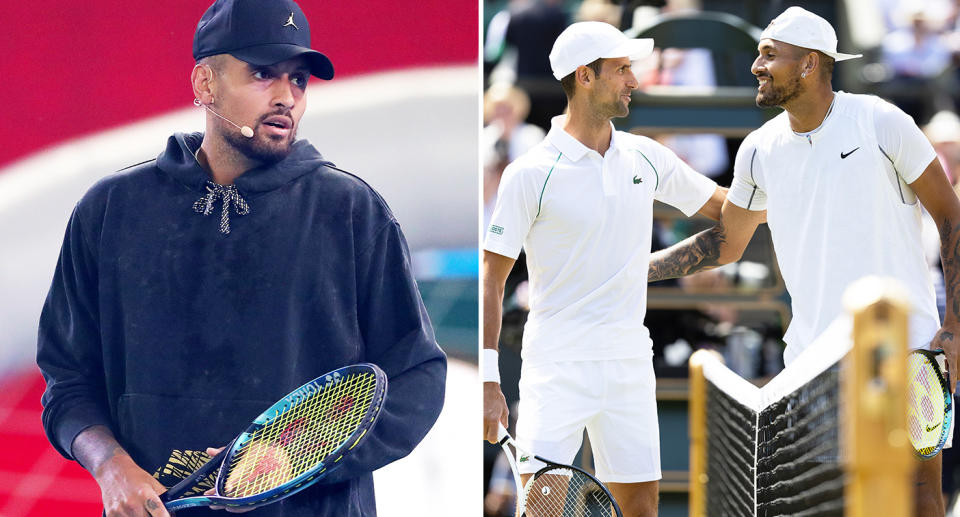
<point>637,179</point>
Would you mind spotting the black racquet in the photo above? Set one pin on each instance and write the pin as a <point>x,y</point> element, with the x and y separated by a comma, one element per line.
<point>557,490</point>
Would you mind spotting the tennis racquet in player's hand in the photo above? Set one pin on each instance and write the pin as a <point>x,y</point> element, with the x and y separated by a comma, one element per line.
<point>557,490</point>
<point>929,402</point>
<point>293,444</point>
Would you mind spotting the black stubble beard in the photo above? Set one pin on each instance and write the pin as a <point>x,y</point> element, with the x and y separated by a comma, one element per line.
<point>256,150</point>
<point>778,96</point>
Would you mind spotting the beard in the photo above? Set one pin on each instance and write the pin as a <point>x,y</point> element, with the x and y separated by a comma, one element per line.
<point>778,95</point>
<point>612,109</point>
<point>261,148</point>
<point>618,109</point>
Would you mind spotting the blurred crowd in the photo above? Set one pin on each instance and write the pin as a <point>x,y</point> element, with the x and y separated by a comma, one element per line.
<point>913,62</point>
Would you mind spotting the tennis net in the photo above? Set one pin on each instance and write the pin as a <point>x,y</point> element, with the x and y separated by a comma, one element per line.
<point>776,450</point>
<point>827,436</point>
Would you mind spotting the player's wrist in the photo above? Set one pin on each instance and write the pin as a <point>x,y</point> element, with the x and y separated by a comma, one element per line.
<point>490,366</point>
<point>117,472</point>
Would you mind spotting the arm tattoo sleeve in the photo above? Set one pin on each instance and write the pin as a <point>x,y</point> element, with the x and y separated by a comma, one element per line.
<point>696,253</point>
<point>950,260</point>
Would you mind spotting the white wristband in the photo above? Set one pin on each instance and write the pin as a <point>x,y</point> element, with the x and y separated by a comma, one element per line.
<point>490,363</point>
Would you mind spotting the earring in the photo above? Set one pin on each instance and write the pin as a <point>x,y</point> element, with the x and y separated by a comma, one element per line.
<point>196,102</point>
<point>803,75</point>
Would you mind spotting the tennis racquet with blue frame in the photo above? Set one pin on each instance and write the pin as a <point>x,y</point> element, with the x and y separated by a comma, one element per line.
<point>557,490</point>
<point>929,401</point>
<point>293,444</point>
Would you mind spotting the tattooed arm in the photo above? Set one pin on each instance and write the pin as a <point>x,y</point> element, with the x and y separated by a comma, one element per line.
<point>941,201</point>
<point>722,244</point>
<point>125,487</point>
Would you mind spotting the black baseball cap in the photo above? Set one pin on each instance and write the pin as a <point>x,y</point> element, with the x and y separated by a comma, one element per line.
<point>260,32</point>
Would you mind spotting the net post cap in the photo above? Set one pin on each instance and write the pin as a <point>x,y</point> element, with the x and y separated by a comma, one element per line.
<point>873,289</point>
<point>700,357</point>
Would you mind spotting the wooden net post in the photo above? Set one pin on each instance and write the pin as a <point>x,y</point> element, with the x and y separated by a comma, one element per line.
<point>698,435</point>
<point>875,443</point>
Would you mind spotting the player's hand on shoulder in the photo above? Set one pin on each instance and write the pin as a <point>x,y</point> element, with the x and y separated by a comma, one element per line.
<point>128,490</point>
<point>494,410</point>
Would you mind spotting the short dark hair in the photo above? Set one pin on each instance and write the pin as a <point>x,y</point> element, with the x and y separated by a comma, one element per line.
<point>827,62</point>
<point>569,82</point>
<point>215,62</point>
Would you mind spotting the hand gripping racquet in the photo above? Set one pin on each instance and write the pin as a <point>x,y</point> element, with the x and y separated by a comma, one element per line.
<point>929,402</point>
<point>557,490</point>
<point>293,444</point>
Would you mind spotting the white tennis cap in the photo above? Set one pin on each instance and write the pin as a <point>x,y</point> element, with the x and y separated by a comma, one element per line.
<point>798,26</point>
<point>584,42</point>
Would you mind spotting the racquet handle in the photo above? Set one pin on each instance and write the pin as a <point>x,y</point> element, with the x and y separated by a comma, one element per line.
<point>501,432</point>
<point>191,480</point>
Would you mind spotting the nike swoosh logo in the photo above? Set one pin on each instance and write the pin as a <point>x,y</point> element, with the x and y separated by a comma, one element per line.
<point>844,155</point>
<point>933,427</point>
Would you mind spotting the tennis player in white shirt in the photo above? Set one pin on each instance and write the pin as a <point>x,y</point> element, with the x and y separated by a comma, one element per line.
<point>837,177</point>
<point>581,204</point>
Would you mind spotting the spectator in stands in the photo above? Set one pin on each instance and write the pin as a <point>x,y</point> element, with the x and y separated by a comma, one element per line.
<point>943,130</point>
<point>531,31</point>
<point>505,110</point>
<point>706,153</point>
<point>917,56</point>
<point>505,137</point>
<point>598,11</point>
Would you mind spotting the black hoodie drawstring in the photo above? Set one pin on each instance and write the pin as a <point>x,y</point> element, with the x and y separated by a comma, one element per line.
<point>229,195</point>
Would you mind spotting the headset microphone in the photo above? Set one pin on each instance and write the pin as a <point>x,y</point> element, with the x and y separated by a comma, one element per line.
<point>245,130</point>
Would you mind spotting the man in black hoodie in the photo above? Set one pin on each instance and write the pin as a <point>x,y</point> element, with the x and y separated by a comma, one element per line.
<point>166,330</point>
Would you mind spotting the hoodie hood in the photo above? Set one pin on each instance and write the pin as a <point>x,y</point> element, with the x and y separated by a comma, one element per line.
<point>178,161</point>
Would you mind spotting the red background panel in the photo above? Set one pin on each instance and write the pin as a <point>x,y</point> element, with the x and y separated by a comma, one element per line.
<point>72,68</point>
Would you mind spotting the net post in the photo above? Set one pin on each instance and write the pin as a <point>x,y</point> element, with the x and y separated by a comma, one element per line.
<point>874,440</point>
<point>698,434</point>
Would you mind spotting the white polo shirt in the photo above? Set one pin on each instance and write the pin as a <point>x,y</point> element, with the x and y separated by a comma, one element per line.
<point>585,221</point>
<point>840,207</point>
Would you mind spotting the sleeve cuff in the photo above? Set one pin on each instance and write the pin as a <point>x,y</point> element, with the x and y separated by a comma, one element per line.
<point>501,249</point>
<point>70,424</point>
<point>915,175</point>
<point>747,197</point>
<point>706,187</point>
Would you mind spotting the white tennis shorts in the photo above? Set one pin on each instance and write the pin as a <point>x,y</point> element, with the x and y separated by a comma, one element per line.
<point>615,400</point>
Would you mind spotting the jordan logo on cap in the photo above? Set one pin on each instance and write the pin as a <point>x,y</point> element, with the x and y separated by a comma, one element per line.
<point>290,22</point>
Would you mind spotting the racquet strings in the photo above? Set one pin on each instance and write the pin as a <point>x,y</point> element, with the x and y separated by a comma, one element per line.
<point>564,492</point>
<point>925,405</point>
<point>299,438</point>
